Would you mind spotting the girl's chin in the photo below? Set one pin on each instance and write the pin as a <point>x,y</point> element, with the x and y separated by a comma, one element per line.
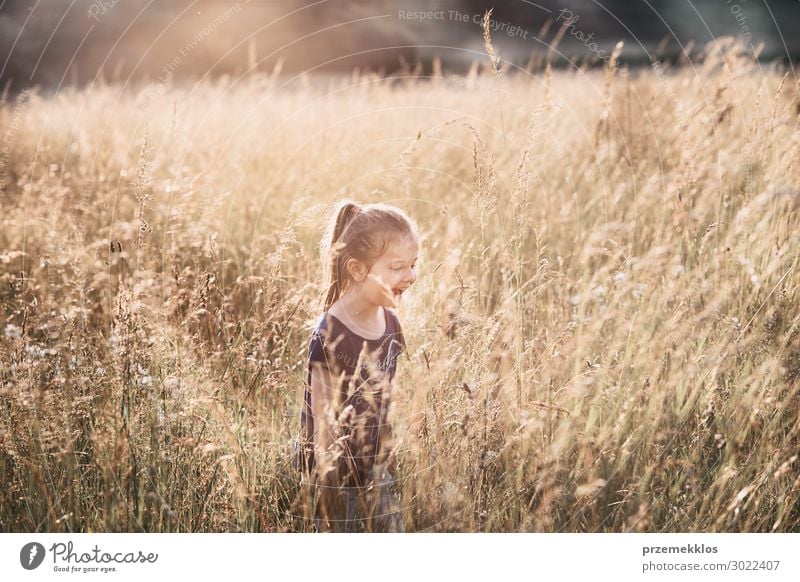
<point>391,301</point>
<point>386,301</point>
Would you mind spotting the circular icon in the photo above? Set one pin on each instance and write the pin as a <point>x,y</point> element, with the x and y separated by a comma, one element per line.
<point>31,555</point>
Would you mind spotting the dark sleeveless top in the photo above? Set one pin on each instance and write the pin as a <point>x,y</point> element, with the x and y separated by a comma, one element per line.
<point>361,397</point>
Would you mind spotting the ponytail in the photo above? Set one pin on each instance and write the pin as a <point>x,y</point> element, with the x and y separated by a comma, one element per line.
<point>347,210</point>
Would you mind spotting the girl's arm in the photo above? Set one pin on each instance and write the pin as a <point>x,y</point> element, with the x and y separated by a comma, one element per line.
<point>323,438</point>
<point>324,421</point>
<point>391,459</point>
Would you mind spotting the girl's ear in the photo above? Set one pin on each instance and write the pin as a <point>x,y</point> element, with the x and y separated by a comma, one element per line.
<point>356,269</point>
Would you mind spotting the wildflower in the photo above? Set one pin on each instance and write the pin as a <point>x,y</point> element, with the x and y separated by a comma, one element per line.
<point>12,331</point>
<point>37,351</point>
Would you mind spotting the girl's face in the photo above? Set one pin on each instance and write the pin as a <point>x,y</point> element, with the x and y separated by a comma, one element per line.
<point>392,274</point>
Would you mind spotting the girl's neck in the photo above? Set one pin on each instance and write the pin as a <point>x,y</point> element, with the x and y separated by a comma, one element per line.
<point>357,307</point>
<point>362,317</point>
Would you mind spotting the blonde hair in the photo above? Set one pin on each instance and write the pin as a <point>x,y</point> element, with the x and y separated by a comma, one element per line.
<point>361,232</point>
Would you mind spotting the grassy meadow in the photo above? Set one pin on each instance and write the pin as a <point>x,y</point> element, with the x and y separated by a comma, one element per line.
<point>604,334</point>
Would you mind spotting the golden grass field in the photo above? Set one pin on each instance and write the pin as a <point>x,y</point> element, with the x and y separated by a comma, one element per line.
<point>604,335</point>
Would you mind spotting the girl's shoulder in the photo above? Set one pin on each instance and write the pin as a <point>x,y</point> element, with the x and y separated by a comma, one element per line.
<point>322,329</point>
<point>318,329</point>
<point>328,324</point>
<point>393,327</point>
<point>392,318</point>
<point>323,325</point>
<point>322,321</point>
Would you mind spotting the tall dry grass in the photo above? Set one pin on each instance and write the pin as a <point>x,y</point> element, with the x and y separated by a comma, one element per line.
<point>603,337</point>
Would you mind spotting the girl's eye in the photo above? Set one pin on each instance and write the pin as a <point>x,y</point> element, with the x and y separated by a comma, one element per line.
<point>400,268</point>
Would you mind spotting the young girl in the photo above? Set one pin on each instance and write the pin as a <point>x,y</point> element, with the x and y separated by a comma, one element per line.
<point>344,447</point>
